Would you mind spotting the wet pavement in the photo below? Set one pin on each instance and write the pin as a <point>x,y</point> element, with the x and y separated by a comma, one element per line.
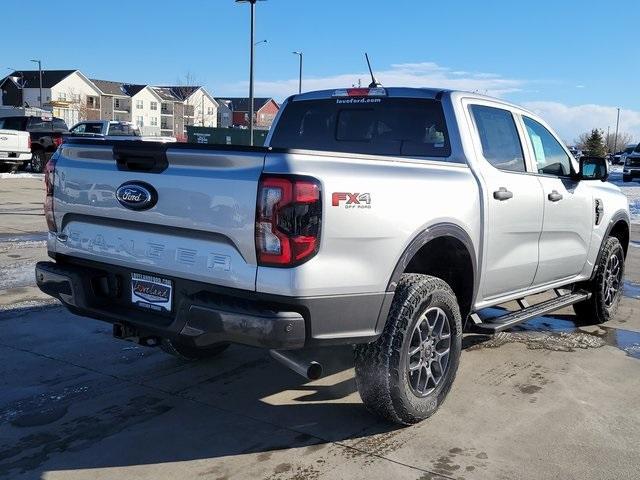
<point>547,400</point>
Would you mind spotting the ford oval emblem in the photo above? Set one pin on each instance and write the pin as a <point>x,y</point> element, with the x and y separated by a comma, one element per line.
<point>137,195</point>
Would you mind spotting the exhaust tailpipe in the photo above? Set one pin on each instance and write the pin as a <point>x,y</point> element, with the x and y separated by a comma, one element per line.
<point>311,370</point>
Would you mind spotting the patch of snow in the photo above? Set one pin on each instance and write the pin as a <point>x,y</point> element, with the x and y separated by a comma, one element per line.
<point>630,189</point>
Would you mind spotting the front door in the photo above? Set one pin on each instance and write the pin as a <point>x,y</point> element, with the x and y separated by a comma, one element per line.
<point>568,208</point>
<point>513,200</point>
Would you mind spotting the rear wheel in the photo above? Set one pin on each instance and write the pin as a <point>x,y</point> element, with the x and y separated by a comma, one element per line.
<point>605,288</point>
<point>190,354</point>
<point>405,375</point>
<point>38,160</point>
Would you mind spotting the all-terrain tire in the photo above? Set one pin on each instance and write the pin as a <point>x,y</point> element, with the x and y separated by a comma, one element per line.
<point>191,354</point>
<point>38,161</point>
<point>382,367</point>
<point>600,308</point>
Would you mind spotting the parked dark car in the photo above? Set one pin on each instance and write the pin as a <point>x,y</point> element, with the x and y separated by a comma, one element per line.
<point>46,136</point>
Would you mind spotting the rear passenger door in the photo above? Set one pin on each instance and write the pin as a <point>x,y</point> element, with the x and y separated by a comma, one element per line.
<point>569,210</point>
<point>513,203</point>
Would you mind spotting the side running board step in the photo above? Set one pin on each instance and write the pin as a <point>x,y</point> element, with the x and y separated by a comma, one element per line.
<point>498,324</point>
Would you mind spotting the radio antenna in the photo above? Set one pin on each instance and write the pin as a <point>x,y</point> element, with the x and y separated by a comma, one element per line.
<point>374,82</point>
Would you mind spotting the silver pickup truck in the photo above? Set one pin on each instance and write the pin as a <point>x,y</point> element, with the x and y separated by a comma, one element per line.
<point>384,218</point>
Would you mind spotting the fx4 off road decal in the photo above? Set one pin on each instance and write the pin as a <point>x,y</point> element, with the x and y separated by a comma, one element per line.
<point>351,200</point>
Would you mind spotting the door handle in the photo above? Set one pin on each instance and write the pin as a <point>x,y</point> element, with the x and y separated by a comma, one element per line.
<point>554,196</point>
<point>502,194</point>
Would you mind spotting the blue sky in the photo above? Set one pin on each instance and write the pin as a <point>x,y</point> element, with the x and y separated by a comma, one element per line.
<point>573,61</point>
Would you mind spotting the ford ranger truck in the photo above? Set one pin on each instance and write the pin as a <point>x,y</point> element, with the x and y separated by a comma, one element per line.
<point>383,218</point>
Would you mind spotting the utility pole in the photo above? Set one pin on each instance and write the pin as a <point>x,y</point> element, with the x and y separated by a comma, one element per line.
<point>608,144</point>
<point>615,141</point>
<point>300,74</point>
<point>40,72</point>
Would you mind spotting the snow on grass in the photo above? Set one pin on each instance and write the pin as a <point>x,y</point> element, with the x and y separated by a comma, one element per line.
<point>630,189</point>
<point>22,175</point>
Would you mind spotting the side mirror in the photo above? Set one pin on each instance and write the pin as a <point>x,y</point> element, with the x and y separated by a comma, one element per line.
<point>594,168</point>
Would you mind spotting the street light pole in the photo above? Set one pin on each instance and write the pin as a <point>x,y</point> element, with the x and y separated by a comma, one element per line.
<point>615,138</point>
<point>300,75</point>
<point>252,46</point>
<point>40,72</point>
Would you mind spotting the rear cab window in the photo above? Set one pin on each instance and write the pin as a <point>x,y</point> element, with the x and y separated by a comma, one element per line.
<point>411,127</point>
<point>14,123</point>
<point>499,138</point>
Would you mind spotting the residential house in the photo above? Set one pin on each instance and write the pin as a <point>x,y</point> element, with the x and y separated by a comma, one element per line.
<point>68,94</point>
<point>200,108</point>
<point>265,110</point>
<point>135,103</point>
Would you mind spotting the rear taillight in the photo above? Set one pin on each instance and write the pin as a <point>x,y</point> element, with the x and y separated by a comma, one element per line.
<point>29,143</point>
<point>57,141</point>
<point>49,178</point>
<point>288,218</point>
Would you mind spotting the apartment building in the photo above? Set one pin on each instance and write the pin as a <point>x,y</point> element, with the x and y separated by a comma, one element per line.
<point>69,94</point>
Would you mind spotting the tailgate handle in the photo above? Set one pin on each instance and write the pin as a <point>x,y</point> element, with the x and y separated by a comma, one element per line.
<point>142,157</point>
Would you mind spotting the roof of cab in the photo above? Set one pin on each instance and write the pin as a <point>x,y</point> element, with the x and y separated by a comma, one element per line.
<point>412,92</point>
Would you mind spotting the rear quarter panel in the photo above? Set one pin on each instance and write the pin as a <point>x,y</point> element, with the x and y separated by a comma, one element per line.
<point>362,243</point>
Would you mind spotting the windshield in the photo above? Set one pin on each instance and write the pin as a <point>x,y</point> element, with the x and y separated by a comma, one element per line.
<point>376,126</point>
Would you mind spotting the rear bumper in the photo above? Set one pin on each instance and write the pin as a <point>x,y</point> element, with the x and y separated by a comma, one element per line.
<point>206,314</point>
<point>16,158</point>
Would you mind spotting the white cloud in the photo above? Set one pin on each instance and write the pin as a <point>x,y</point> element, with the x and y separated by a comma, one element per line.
<point>570,121</point>
<point>425,74</point>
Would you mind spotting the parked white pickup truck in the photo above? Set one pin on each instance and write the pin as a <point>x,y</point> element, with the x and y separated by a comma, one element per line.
<point>15,149</point>
<point>113,130</point>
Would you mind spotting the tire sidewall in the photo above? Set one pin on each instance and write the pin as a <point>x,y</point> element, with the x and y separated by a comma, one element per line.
<point>406,400</point>
<point>604,313</point>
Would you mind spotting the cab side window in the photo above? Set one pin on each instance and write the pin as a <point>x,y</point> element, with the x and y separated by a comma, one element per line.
<point>551,158</point>
<point>499,138</point>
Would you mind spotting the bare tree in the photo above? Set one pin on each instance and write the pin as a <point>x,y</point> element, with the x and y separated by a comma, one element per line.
<point>623,140</point>
<point>581,140</point>
<point>183,90</point>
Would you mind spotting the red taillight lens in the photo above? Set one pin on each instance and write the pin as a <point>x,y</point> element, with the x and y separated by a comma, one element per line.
<point>288,218</point>
<point>49,179</point>
<point>29,142</point>
<point>57,141</point>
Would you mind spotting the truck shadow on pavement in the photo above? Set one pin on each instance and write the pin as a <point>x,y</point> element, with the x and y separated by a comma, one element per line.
<point>74,398</point>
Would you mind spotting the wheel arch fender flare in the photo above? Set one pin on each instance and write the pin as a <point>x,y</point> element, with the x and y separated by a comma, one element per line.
<point>432,232</point>
<point>619,216</point>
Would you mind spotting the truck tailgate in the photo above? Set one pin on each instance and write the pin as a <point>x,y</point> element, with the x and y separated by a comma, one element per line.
<point>13,141</point>
<point>201,228</point>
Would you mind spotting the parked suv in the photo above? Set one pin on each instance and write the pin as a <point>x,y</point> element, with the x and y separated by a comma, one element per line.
<point>45,132</point>
<point>631,167</point>
<point>384,218</point>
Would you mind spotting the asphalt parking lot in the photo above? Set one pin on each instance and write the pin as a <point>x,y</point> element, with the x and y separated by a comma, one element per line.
<point>549,400</point>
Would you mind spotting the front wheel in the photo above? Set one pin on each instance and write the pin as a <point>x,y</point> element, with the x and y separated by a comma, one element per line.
<point>605,288</point>
<point>405,375</point>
